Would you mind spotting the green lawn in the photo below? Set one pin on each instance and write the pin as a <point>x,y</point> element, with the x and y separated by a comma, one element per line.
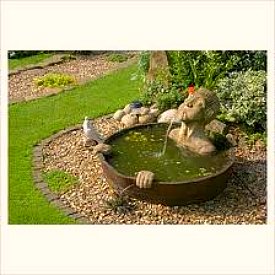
<point>35,120</point>
<point>59,181</point>
<point>29,60</point>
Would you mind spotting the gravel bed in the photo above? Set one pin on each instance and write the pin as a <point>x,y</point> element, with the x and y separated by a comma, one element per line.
<point>242,202</point>
<point>84,68</point>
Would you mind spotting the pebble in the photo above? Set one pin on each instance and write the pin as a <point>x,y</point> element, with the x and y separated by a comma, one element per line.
<point>235,205</point>
<point>118,114</point>
<point>22,86</point>
<point>129,120</point>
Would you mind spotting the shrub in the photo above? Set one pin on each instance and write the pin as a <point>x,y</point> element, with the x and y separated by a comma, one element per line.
<point>144,61</point>
<point>253,138</point>
<point>54,80</point>
<point>117,57</point>
<point>150,92</point>
<point>243,98</point>
<point>206,68</point>
<point>170,99</point>
<point>165,97</point>
<point>247,60</point>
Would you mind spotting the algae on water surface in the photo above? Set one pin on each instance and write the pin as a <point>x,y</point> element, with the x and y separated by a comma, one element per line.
<point>141,149</point>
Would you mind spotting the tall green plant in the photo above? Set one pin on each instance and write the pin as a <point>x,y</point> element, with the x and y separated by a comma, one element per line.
<point>206,68</point>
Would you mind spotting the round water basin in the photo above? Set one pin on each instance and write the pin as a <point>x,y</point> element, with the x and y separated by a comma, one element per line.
<point>181,176</point>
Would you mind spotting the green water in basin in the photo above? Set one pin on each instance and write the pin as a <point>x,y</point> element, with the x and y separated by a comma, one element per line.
<point>141,149</point>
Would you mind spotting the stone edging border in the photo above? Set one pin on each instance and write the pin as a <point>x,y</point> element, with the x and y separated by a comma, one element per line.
<point>56,59</point>
<point>69,88</point>
<point>42,186</point>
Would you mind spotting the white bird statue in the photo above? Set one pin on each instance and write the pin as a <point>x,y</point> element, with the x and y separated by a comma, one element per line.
<point>92,138</point>
<point>90,133</point>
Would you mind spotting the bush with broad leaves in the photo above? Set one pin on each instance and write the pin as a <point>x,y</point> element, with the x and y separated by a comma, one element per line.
<point>243,98</point>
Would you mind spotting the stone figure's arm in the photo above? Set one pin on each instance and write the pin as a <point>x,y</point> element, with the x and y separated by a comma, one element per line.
<point>144,179</point>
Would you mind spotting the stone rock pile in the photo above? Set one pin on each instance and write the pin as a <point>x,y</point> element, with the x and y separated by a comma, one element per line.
<point>134,113</point>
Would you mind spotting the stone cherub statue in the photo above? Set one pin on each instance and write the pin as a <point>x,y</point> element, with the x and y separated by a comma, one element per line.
<point>197,111</point>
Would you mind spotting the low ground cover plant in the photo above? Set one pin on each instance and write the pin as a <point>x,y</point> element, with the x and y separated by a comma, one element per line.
<point>117,57</point>
<point>55,80</point>
<point>59,181</point>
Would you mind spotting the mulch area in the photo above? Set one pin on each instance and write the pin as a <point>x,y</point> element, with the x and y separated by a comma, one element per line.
<point>84,68</point>
<point>242,202</point>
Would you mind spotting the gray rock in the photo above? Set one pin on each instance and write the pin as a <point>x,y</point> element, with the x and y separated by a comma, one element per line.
<point>127,109</point>
<point>155,112</point>
<point>216,126</point>
<point>140,111</point>
<point>105,149</point>
<point>146,118</point>
<point>118,114</point>
<point>129,120</point>
<point>144,110</point>
<point>168,115</point>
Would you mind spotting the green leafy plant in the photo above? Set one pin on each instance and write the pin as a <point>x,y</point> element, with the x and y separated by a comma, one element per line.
<point>59,181</point>
<point>253,138</point>
<point>170,99</point>
<point>165,97</point>
<point>144,61</point>
<point>117,57</point>
<point>119,204</point>
<point>150,92</point>
<point>247,60</point>
<point>243,98</point>
<point>206,68</point>
<point>143,66</point>
<point>55,80</point>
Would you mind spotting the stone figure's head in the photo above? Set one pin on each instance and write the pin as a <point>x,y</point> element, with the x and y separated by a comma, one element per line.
<point>201,107</point>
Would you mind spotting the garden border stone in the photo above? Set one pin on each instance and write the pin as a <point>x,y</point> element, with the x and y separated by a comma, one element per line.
<point>120,66</point>
<point>42,186</point>
<point>56,200</point>
<point>54,60</point>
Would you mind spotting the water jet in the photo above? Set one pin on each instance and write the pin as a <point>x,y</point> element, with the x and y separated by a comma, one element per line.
<point>182,169</point>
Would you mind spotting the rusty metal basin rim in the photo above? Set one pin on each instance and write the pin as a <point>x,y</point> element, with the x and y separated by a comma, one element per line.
<point>170,193</point>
